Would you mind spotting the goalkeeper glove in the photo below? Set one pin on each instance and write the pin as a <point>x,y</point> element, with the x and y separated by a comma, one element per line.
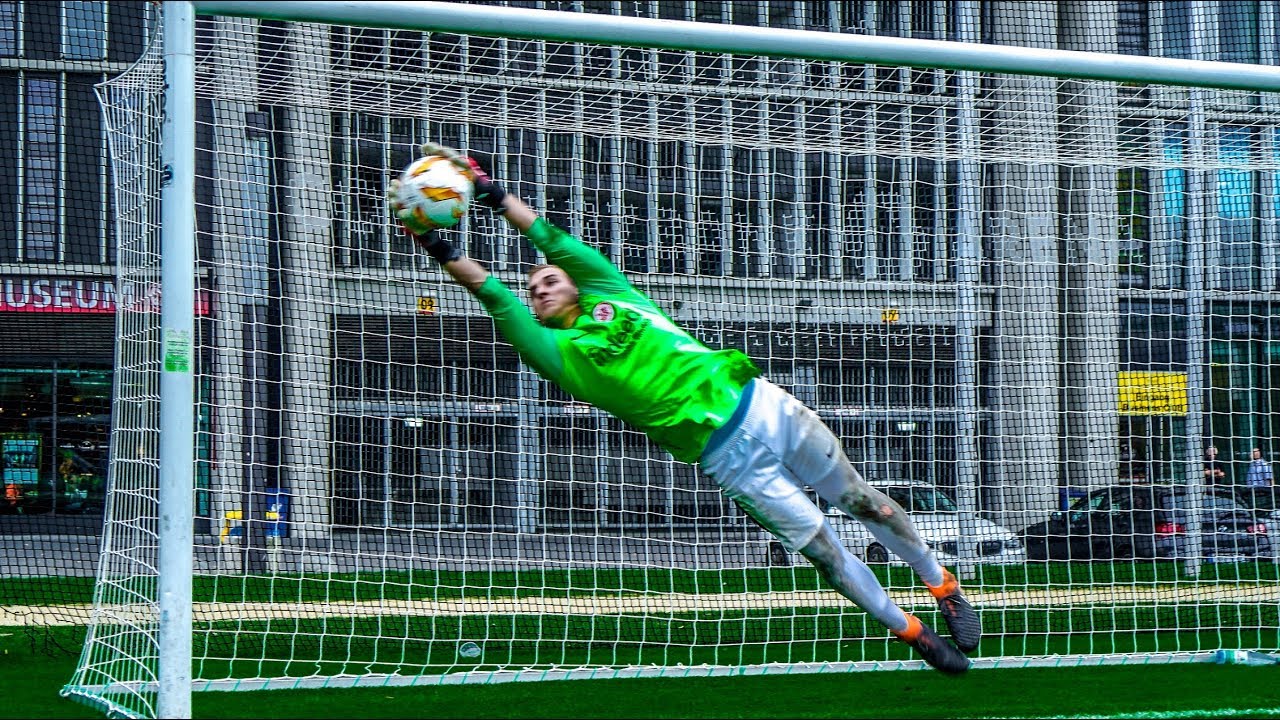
<point>412,224</point>
<point>437,247</point>
<point>488,193</point>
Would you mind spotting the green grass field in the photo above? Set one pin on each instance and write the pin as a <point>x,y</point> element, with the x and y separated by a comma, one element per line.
<point>35,669</point>
<point>38,661</point>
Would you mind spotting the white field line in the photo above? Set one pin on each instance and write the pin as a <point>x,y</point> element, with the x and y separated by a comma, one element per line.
<point>665,604</point>
<point>1169,714</point>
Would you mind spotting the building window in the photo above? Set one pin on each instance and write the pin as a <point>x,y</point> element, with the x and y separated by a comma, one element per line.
<point>1273,240</point>
<point>1244,34</point>
<point>8,29</point>
<point>1175,29</point>
<point>1169,246</point>
<point>40,168</point>
<point>84,30</point>
<point>54,439</point>
<point>1152,209</point>
<point>1153,335</point>
<point>1238,31</point>
<point>1134,187</point>
<point>1236,218</point>
<point>1269,42</point>
<point>1132,36</point>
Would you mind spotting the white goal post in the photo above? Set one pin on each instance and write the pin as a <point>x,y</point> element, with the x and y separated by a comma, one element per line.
<point>940,245</point>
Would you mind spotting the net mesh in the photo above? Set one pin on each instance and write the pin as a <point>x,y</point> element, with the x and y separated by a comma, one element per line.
<point>57,297</point>
<point>1005,294</point>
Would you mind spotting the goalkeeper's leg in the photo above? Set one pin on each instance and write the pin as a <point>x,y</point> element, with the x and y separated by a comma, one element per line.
<point>813,452</point>
<point>844,487</point>
<point>854,580</point>
<point>770,495</point>
<point>751,467</point>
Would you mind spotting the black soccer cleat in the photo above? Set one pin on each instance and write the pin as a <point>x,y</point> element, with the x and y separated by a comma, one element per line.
<point>940,654</point>
<point>962,619</point>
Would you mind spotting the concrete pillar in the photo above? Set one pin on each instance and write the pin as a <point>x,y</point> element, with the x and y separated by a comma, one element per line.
<point>1091,308</point>
<point>306,257</point>
<point>233,287</point>
<point>1024,450</point>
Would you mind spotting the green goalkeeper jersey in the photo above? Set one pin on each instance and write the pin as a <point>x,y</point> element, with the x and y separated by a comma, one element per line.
<point>624,355</point>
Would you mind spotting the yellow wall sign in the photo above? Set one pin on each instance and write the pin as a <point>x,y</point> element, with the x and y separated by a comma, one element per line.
<point>1153,393</point>
<point>889,315</point>
<point>426,306</point>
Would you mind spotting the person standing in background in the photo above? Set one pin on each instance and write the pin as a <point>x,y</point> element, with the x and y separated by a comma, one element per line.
<point>1214,472</point>
<point>1259,475</point>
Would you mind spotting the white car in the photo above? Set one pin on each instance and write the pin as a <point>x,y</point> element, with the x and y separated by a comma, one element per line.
<point>937,519</point>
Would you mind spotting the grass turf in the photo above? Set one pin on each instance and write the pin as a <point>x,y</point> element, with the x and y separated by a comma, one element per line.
<point>35,671</point>
<point>541,582</point>
<point>44,658</point>
<point>1031,692</point>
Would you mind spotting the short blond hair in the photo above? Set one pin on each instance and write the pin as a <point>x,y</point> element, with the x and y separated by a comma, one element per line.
<point>547,266</point>
<point>539,268</point>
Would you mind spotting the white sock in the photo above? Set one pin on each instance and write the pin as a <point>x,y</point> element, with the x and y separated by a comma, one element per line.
<point>929,570</point>
<point>853,579</point>
<point>916,554</point>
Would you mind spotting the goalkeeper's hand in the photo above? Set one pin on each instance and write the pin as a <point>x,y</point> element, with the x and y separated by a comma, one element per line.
<point>423,234</point>
<point>488,193</point>
<point>411,224</point>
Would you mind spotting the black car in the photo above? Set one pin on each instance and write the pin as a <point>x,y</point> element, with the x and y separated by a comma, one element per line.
<point>1145,521</point>
<point>1264,502</point>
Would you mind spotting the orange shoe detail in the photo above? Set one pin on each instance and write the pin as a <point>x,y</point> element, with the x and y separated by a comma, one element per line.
<point>914,628</point>
<point>950,586</point>
<point>935,651</point>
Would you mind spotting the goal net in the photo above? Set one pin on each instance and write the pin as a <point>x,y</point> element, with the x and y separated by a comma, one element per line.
<point>1005,294</point>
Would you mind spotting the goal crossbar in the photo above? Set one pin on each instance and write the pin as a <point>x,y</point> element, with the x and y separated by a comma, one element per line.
<point>532,24</point>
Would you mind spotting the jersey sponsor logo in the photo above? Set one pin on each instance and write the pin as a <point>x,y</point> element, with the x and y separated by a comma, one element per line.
<point>604,312</point>
<point>619,338</point>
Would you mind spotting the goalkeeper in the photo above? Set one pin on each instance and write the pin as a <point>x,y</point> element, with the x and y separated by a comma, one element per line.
<point>606,343</point>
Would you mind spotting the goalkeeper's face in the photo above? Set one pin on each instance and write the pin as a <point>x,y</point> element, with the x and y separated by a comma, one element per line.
<point>555,297</point>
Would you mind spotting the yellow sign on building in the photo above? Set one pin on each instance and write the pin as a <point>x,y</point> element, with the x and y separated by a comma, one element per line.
<point>1153,393</point>
<point>426,305</point>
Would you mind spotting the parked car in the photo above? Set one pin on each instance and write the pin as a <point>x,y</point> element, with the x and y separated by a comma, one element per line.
<point>1145,521</point>
<point>1264,502</point>
<point>936,517</point>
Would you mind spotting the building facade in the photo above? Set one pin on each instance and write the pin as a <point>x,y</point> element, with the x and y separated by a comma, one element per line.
<point>57,253</point>
<point>351,391</point>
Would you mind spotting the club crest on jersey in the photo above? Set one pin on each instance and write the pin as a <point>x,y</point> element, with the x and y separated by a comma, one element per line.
<point>603,312</point>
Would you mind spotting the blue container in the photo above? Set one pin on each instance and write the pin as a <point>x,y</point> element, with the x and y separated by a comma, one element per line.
<point>277,514</point>
<point>1068,495</point>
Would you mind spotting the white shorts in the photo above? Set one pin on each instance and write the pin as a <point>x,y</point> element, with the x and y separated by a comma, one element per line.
<point>762,463</point>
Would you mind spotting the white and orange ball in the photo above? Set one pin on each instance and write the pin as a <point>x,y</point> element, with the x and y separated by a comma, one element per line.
<point>436,191</point>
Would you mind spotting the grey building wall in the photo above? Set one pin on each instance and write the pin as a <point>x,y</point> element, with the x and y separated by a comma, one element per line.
<point>1091,355</point>
<point>1052,412</point>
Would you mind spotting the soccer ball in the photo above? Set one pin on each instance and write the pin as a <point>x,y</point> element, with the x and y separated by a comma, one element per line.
<point>436,191</point>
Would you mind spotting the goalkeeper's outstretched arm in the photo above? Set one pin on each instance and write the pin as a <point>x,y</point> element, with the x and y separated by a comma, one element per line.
<point>467,272</point>
<point>585,265</point>
<point>531,340</point>
<point>518,215</point>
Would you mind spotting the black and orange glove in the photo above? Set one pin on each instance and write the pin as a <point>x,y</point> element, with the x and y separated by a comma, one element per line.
<point>488,193</point>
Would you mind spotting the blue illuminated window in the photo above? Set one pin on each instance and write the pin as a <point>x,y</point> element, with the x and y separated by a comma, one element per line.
<point>40,170</point>
<point>8,29</point>
<point>84,30</point>
<point>1237,229</point>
